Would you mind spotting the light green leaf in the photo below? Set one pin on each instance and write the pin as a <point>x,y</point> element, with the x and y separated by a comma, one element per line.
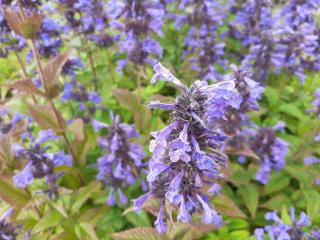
<point>250,195</point>
<point>82,195</point>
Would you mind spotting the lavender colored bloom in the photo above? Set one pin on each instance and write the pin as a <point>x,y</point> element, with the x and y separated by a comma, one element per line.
<point>7,230</point>
<point>88,17</point>
<point>202,40</point>
<point>267,54</point>
<point>186,155</point>
<point>89,102</point>
<point>298,12</point>
<point>122,164</point>
<point>137,19</point>
<point>40,163</point>
<point>251,19</point>
<point>250,91</point>
<point>49,38</point>
<point>270,149</point>
<point>281,231</point>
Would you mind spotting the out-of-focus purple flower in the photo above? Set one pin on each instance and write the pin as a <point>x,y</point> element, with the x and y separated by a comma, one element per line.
<point>250,92</point>
<point>89,102</point>
<point>186,155</point>
<point>251,19</point>
<point>49,40</point>
<point>280,230</point>
<point>88,17</point>
<point>7,229</point>
<point>122,164</point>
<point>71,66</point>
<point>138,20</point>
<point>204,45</point>
<point>266,54</point>
<point>40,163</point>
<point>297,12</point>
<point>270,149</point>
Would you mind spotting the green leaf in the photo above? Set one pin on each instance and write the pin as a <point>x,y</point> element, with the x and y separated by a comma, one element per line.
<point>291,110</point>
<point>140,233</point>
<point>272,95</point>
<point>82,195</point>
<point>50,220</point>
<point>12,195</point>
<point>227,206</point>
<point>278,181</point>
<point>138,220</point>
<point>250,195</point>
<point>89,230</point>
<point>276,202</point>
<point>240,234</point>
<point>285,217</point>
<point>313,203</point>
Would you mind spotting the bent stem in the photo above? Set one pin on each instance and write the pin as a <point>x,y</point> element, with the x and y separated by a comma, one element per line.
<point>42,77</point>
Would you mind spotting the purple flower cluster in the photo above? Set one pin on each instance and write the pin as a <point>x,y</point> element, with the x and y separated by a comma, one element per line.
<point>186,155</point>
<point>88,17</point>
<point>40,163</point>
<point>252,18</point>
<point>203,40</point>
<point>282,231</point>
<point>122,164</point>
<point>138,20</point>
<point>297,12</point>
<point>250,91</point>
<point>49,39</point>
<point>270,150</point>
<point>87,101</point>
<point>288,41</point>
<point>7,229</point>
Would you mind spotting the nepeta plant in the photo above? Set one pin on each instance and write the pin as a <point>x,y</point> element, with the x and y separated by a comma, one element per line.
<point>203,41</point>
<point>8,231</point>
<point>187,155</point>
<point>40,163</point>
<point>251,91</point>
<point>270,149</point>
<point>290,231</point>
<point>138,20</point>
<point>122,165</point>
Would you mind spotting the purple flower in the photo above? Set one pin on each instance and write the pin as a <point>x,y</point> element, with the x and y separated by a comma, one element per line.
<point>88,102</point>
<point>122,163</point>
<point>7,229</point>
<point>40,163</point>
<point>137,20</point>
<point>203,43</point>
<point>280,230</point>
<point>186,155</point>
<point>250,91</point>
<point>251,19</point>
<point>270,149</point>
